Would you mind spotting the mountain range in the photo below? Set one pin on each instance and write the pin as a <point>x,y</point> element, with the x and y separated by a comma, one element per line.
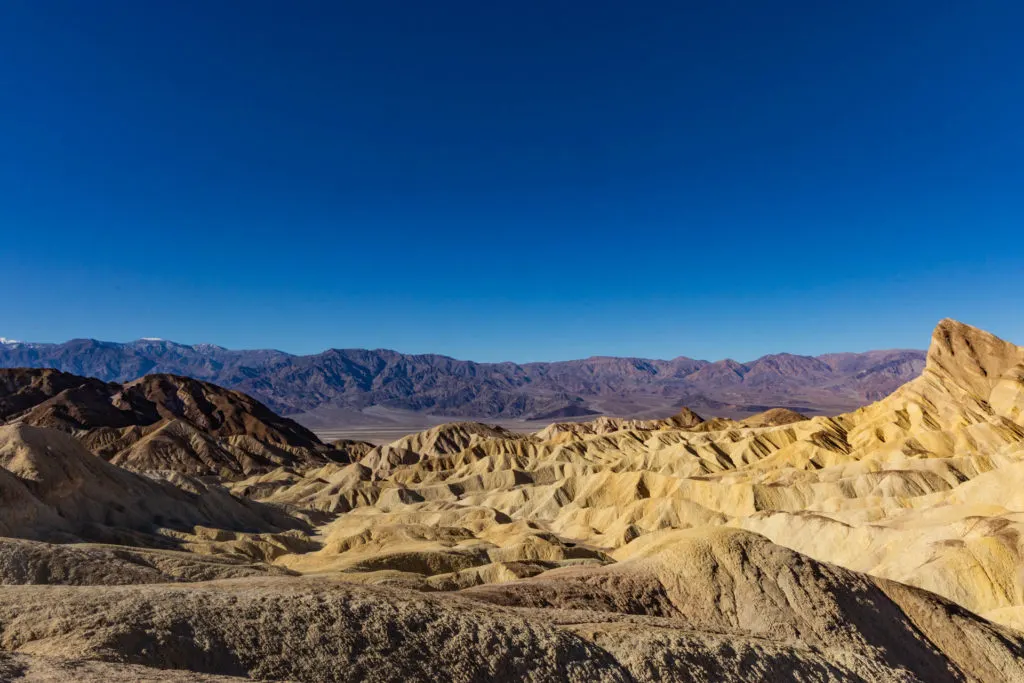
<point>336,385</point>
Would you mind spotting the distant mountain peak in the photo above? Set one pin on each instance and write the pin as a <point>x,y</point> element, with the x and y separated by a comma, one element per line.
<point>158,342</point>
<point>203,346</point>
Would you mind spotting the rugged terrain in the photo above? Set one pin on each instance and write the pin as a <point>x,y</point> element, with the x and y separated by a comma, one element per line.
<point>334,389</point>
<point>881,544</point>
<point>163,422</point>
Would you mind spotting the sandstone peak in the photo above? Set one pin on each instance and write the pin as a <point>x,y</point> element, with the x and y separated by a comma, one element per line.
<point>972,358</point>
<point>774,417</point>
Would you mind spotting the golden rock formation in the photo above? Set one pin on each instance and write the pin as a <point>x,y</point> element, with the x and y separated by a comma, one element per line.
<point>882,544</point>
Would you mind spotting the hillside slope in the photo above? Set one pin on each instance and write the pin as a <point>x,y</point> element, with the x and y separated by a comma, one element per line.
<point>160,422</point>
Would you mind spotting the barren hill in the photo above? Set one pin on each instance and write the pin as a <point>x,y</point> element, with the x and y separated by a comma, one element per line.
<point>159,422</point>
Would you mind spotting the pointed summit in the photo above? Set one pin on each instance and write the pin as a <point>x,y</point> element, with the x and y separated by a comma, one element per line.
<point>684,419</point>
<point>973,359</point>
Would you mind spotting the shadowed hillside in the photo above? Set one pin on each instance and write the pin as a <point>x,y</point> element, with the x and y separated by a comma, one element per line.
<point>161,422</point>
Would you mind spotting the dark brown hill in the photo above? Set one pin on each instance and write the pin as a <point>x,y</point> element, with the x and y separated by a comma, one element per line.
<point>160,422</point>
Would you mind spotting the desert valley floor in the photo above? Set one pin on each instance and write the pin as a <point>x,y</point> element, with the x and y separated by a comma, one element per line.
<point>168,529</point>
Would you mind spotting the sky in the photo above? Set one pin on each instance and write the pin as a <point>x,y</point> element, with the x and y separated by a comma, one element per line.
<point>512,181</point>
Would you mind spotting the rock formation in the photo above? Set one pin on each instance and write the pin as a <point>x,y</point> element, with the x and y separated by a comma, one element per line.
<point>161,422</point>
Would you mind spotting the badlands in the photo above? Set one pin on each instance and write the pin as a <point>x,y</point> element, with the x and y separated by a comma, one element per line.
<point>170,530</point>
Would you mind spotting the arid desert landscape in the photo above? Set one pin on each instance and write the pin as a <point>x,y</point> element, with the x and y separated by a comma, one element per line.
<point>469,342</point>
<point>168,529</point>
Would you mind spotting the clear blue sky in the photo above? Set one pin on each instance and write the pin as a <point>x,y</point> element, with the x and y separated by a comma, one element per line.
<point>523,181</point>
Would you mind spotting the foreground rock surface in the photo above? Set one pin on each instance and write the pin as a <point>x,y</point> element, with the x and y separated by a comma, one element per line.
<point>729,605</point>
